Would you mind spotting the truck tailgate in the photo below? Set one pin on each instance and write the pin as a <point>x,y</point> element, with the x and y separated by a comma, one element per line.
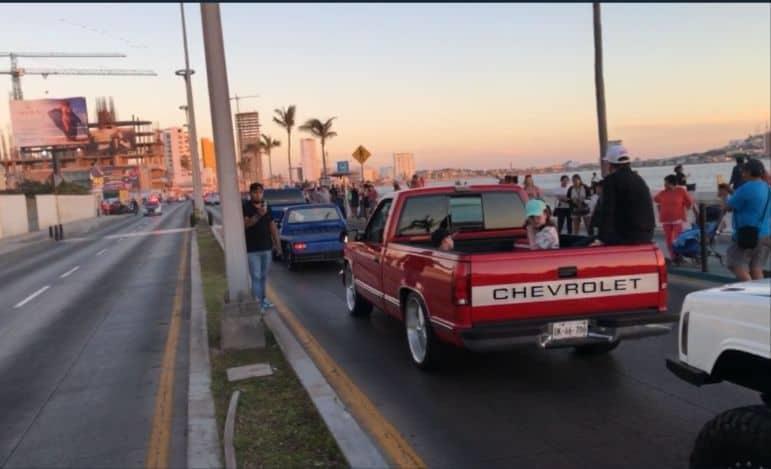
<point>566,282</point>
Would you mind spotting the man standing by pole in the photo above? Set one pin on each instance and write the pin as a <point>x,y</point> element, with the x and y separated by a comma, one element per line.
<point>186,73</point>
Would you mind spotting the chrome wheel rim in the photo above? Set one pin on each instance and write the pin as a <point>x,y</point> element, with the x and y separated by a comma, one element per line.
<point>350,290</point>
<point>417,336</point>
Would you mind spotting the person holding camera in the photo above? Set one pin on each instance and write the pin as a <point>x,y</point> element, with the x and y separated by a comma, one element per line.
<point>261,239</point>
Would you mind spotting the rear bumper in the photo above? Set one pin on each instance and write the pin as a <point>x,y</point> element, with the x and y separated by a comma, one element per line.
<point>318,256</point>
<point>603,328</point>
<point>690,374</point>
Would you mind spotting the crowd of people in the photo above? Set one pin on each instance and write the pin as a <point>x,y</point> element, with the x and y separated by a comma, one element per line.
<point>619,210</point>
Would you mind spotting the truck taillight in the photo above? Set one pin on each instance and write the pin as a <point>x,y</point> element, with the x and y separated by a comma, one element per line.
<point>661,263</point>
<point>461,285</point>
<point>299,246</point>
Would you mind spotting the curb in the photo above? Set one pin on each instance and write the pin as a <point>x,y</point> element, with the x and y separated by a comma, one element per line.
<point>230,430</point>
<point>356,446</point>
<point>709,277</point>
<point>203,447</point>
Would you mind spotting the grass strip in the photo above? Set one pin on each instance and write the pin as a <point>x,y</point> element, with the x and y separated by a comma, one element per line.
<point>277,424</point>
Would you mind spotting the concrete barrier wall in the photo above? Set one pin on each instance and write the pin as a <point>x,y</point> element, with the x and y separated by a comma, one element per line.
<point>76,207</point>
<point>46,211</point>
<point>13,215</point>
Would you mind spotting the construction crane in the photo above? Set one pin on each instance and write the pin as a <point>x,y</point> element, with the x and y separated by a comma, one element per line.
<point>239,98</point>
<point>17,72</point>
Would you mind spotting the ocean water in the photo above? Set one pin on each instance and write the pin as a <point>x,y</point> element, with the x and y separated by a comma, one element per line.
<point>705,176</point>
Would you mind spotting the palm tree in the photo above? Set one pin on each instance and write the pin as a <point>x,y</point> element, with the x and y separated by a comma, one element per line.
<point>268,143</point>
<point>285,118</point>
<point>323,131</point>
<point>245,165</point>
<point>599,85</point>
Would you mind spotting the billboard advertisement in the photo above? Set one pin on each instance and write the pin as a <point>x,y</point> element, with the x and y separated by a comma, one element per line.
<point>112,141</point>
<point>49,122</point>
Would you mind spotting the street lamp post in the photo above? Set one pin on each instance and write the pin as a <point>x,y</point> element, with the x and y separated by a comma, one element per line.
<point>599,87</point>
<point>193,136</point>
<point>222,126</point>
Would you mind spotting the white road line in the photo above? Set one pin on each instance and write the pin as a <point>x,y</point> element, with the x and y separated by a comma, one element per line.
<point>69,272</point>
<point>101,252</point>
<point>31,297</point>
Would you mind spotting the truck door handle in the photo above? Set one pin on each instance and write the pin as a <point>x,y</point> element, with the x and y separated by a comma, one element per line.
<point>567,272</point>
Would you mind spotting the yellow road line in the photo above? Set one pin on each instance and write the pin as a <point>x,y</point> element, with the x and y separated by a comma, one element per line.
<point>160,435</point>
<point>396,447</point>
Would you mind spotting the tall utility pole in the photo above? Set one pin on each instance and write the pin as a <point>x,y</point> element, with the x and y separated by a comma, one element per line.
<point>599,85</point>
<point>192,135</point>
<point>222,125</point>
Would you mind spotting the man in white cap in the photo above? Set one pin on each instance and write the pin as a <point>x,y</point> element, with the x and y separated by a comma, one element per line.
<point>625,209</point>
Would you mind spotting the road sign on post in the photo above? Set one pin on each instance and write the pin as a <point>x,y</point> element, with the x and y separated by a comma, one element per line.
<point>361,155</point>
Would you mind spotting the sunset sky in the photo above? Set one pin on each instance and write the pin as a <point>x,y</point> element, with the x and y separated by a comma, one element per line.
<point>472,85</point>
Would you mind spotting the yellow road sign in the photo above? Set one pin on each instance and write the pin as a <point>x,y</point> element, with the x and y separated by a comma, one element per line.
<point>361,154</point>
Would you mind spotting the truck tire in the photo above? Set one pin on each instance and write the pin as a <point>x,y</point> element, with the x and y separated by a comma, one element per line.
<point>736,438</point>
<point>356,304</point>
<point>596,349</point>
<point>422,344</point>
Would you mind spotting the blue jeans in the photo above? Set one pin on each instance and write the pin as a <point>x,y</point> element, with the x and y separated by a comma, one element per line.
<point>259,262</point>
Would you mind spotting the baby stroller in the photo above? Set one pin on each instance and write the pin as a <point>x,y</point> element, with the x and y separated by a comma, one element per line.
<point>687,246</point>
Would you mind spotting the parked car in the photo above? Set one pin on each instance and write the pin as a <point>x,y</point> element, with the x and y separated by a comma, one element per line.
<point>489,292</point>
<point>212,198</point>
<point>113,206</point>
<point>153,206</point>
<point>725,335</point>
<point>280,199</point>
<point>312,233</point>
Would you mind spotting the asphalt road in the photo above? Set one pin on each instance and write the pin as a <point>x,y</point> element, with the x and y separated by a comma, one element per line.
<point>520,408</point>
<point>83,327</point>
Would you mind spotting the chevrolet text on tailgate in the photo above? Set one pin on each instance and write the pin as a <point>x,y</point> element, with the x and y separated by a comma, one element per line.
<point>491,291</point>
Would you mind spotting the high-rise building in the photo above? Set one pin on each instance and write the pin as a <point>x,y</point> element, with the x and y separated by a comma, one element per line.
<point>310,159</point>
<point>208,155</point>
<point>404,164</point>
<point>248,132</point>
<point>176,156</point>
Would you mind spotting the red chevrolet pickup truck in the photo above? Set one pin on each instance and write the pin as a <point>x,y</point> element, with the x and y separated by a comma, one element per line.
<point>490,291</point>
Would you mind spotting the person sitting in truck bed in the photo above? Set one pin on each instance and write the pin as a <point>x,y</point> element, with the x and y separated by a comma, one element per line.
<point>541,232</point>
<point>442,239</point>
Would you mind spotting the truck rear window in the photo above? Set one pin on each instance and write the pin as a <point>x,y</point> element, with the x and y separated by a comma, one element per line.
<point>486,211</point>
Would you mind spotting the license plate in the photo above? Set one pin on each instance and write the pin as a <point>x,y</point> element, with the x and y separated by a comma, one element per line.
<point>569,329</point>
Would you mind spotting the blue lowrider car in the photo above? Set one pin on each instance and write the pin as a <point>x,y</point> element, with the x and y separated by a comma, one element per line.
<point>312,233</point>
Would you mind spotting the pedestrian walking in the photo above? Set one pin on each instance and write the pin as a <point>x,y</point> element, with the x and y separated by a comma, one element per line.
<point>736,173</point>
<point>372,198</point>
<point>578,196</point>
<point>354,202</point>
<point>625,209</point>
<point>562,210</point>
<point>533,191</point>
<point>261,239</point>
<point>673,202</point>
<point>680,178</point>
<point>364,202</point>
<point>594,179</point>
<point>748,253</point>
